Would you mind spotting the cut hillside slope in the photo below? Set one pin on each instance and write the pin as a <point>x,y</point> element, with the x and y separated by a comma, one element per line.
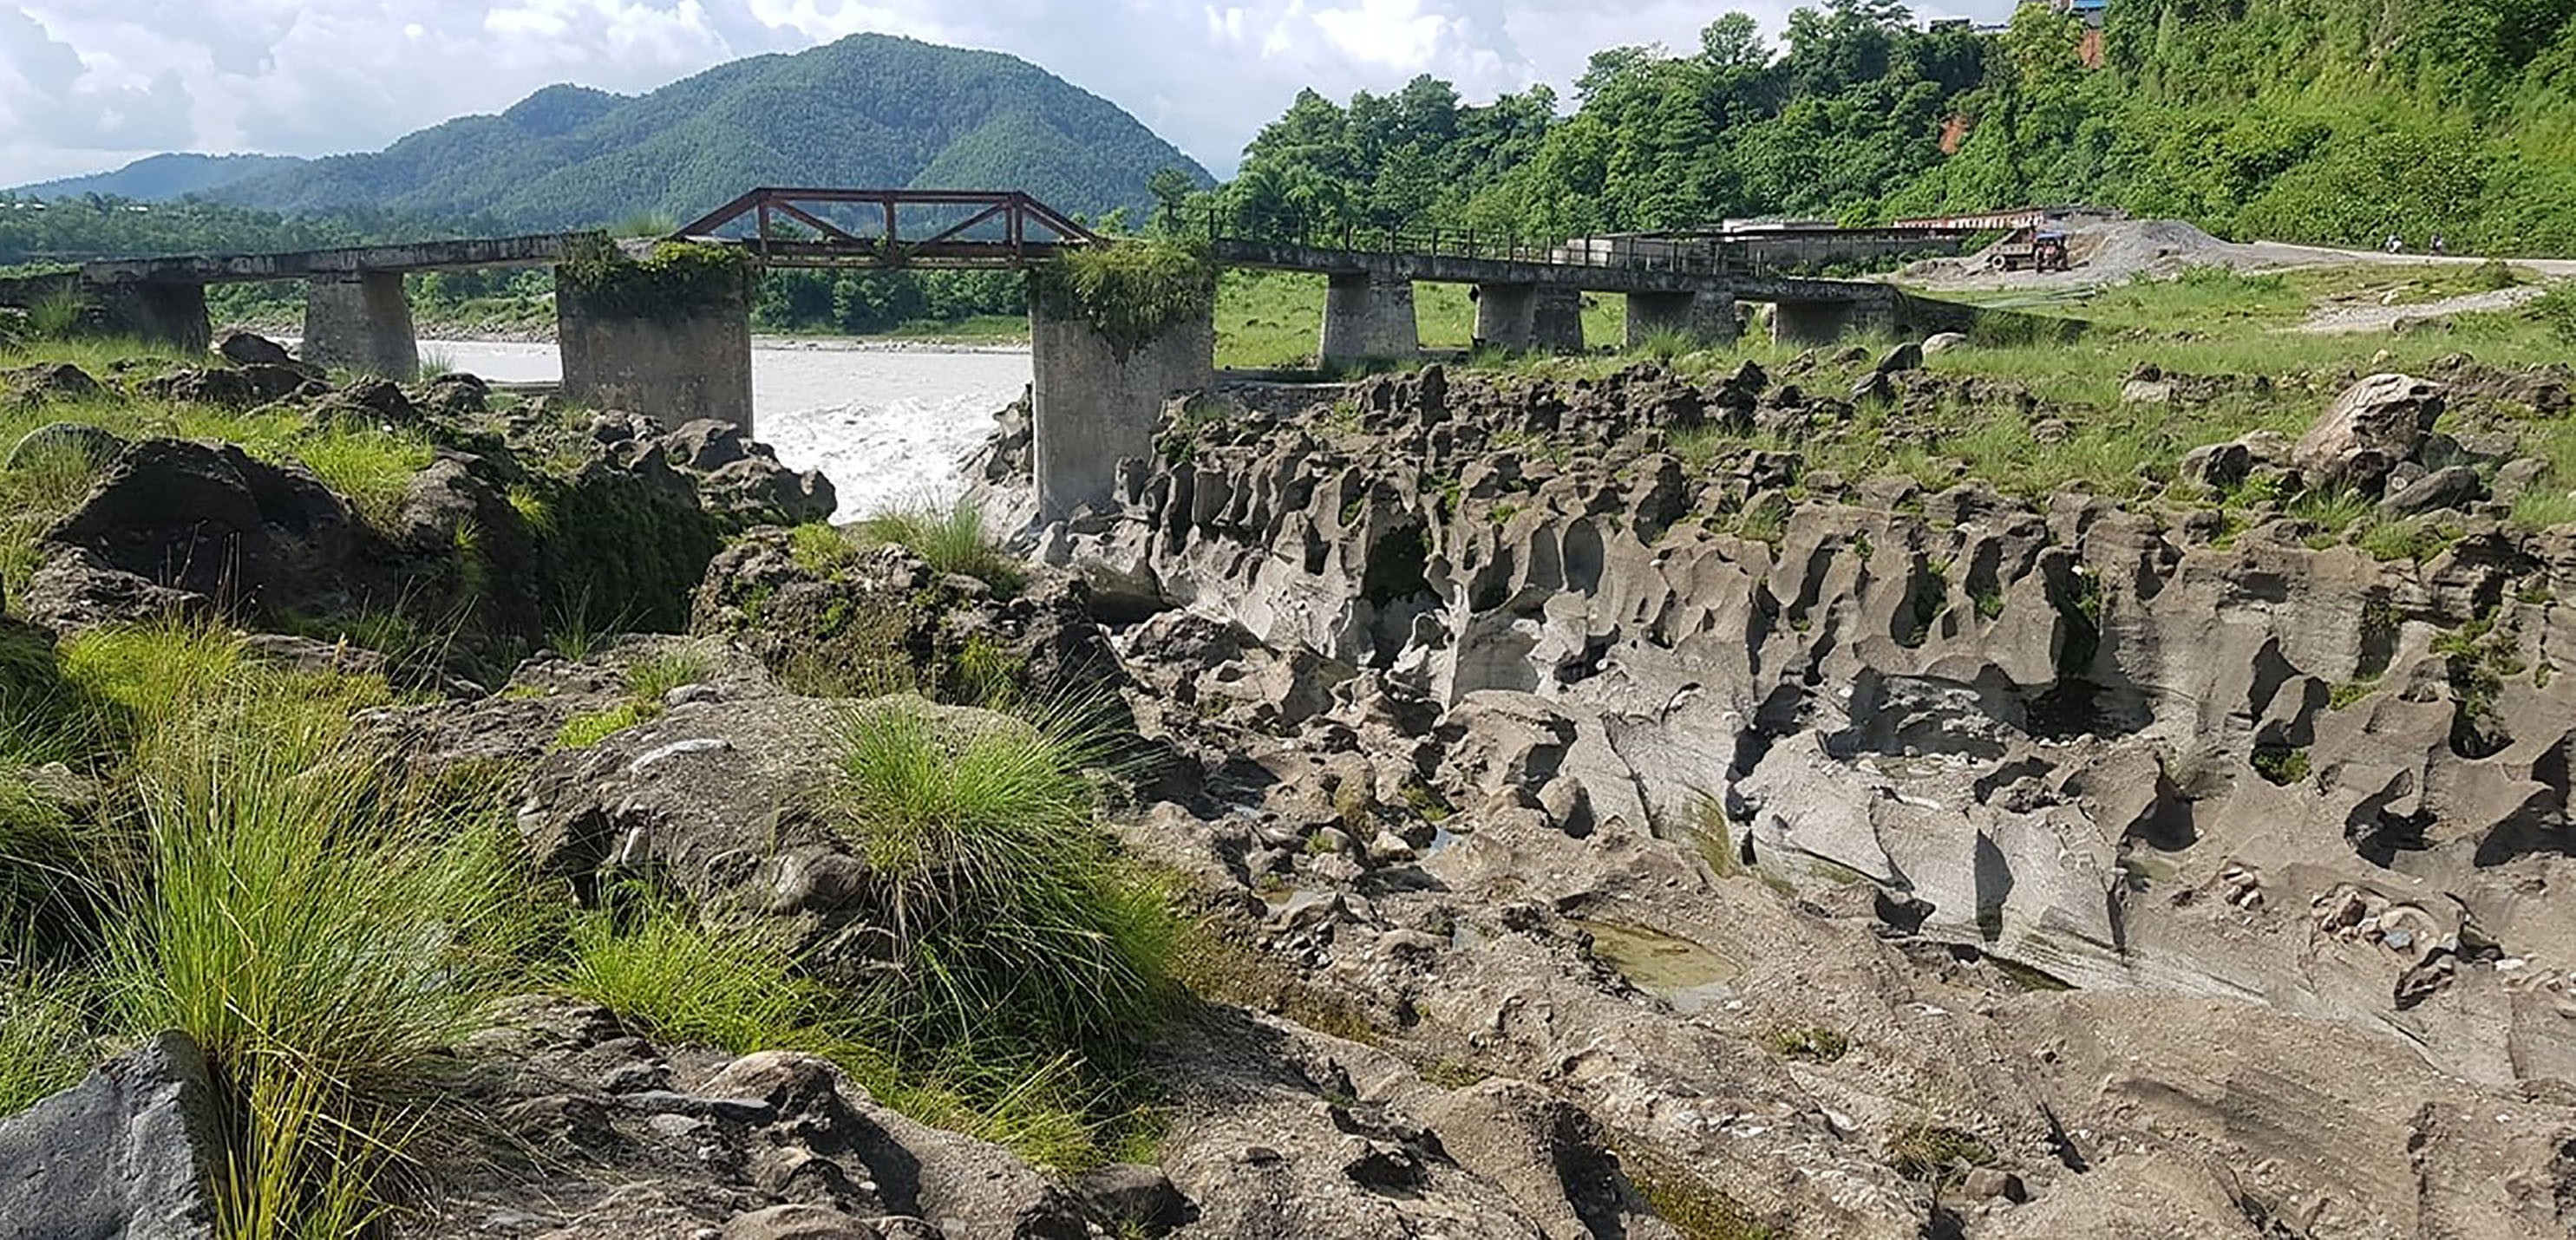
<point>869,110</point>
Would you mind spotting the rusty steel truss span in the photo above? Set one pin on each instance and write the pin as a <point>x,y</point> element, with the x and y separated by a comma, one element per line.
<point>966,228</point>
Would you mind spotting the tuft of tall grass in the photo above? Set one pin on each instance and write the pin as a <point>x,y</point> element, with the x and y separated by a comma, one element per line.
<point>652,676</point>
<point>683,975</point>
<point>952,538</point>
<point>2542,507</point>
<point>1011,921</point>
<point>51,867</point>
<point>371,467</point>
<point>46,1039</point>
<point>57,316</point>
<point>322,923</point>
<point>822,549</point>
<point>2334,511</point>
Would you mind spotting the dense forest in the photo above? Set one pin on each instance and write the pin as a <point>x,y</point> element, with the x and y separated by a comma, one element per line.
<point>2315,120</point>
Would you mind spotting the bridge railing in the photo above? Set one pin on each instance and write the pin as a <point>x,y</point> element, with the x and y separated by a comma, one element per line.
<point>1629,253</point>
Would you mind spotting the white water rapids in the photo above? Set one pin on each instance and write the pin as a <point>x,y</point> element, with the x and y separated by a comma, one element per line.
<point>886,425</point>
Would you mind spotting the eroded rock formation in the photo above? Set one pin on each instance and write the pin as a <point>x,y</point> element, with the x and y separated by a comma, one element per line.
<point>2219,777</point>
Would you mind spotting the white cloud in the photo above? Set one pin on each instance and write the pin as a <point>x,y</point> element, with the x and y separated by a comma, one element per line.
<point>1393,33</point>
<point>85,85</point>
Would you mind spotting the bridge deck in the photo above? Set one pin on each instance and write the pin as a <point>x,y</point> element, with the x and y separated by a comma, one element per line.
<point>529,251</point>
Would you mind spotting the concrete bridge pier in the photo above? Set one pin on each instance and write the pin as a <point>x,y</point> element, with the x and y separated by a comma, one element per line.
<point>163,312</point>
<point>1530,318</point>
<point>1094,401</point>
<point>1706,316</point>
<point>361,321</point>
<point>1368,316</point>
<point>672,357</point>
<point>1824,322</point>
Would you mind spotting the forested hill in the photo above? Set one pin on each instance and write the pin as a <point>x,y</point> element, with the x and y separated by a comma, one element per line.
<point>160,178</point>
<point>869,110</point>
<point>2312,120</point>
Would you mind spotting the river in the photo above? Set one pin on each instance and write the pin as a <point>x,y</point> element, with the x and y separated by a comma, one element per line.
<point>886,425</point>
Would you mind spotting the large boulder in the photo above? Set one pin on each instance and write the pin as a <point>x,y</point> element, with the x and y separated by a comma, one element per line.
<point>52,381</point>
<point>740,480</point>
<point>211,520</point>
<point>858,620</point>
<point>243,387</point>
<point>252,349</point>
<point>2375,424</point>
<point>128,1154</point>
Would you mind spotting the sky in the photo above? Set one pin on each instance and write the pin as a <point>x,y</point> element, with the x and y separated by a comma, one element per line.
<point>87,85</point>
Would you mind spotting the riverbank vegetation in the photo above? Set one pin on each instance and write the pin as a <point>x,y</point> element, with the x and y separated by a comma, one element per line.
<point>203,834</point>
<point>2342,122</point>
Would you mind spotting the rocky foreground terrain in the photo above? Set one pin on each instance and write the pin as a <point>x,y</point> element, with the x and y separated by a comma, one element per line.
<point>1602,822</point>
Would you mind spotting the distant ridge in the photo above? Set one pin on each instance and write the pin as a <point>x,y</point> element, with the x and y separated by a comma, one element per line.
<point>161,178</point>
<point>869,110</point>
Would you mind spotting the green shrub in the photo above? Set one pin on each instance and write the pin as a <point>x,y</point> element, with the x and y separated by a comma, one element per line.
<point>951,538</point>
<point>1129,291</point>
<point>1011,920</point>
<point>2280,764</point>
<point>2556,310</point>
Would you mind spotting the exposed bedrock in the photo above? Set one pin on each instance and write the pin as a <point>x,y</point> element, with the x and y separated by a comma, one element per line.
<point>2080,736</point>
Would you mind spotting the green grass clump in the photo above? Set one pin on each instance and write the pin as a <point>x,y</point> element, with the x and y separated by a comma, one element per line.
<point>1812,1043</point>
<point>585,730</point>
<point>2280,764</point>
<point>1936,1154</point>
<point>372,468</point>
<point>322,923</point>
<point>685,976</point>
<point>46,1042</point>
<point>1694,1208</point>
<point>48,865</point>
<point>652,676</point>
<point>649,678</point>
<point>1011,920</point>
<point>951,538</point>
<point>2415,538</point>
<point>822,549</point>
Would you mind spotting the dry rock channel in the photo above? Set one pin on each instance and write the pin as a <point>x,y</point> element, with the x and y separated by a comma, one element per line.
<point>1611,836</point>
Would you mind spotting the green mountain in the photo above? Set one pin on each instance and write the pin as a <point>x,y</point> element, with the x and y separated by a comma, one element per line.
<point>870,110</point>
<point>161,178</point>
<point>2339,121</point>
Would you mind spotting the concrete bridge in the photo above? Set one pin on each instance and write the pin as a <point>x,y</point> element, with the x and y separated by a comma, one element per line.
<point>1095,400</point>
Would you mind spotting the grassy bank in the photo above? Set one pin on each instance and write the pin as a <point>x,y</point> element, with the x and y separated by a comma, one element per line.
<point>2233,330</point>
<point>1272,319</point>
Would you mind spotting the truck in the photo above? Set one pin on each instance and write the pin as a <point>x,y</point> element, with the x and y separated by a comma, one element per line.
<point>2030,249</point>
